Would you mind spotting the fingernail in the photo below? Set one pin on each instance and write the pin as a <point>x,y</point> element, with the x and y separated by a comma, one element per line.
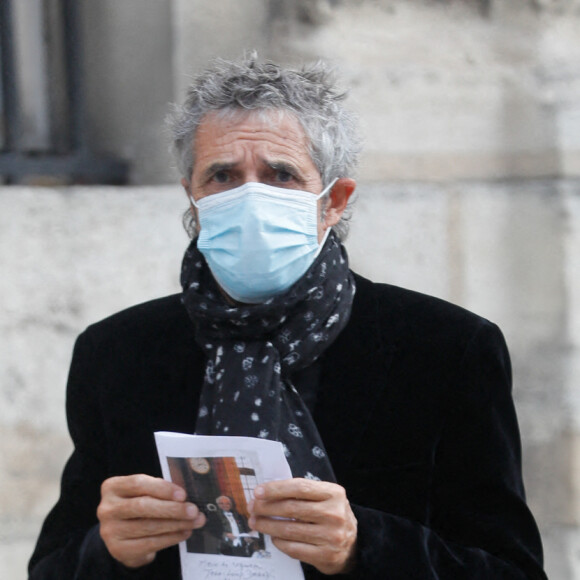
<point>179,495</point>
<point>259,491</point>
<point>252,522</point>
<point>191,511</point>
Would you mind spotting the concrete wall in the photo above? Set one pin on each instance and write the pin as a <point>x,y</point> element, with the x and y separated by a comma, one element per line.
<point>469,190</point>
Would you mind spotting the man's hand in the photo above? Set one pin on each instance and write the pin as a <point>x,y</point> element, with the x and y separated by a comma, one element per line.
<point>319,529</point>
<point>141,515</point>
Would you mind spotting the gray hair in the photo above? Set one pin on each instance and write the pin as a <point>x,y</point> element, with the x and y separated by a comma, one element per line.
<point>309,94</point>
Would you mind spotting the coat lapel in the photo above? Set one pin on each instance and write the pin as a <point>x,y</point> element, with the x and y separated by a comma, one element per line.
<point>354,375</point>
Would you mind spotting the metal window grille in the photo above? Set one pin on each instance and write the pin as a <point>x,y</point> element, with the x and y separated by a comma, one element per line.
<point>42,117</point>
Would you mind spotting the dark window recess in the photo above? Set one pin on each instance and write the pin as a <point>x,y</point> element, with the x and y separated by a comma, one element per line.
<point>43,135</point>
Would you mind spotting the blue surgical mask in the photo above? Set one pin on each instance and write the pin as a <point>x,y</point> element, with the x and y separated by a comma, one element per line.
<point>258,240</point>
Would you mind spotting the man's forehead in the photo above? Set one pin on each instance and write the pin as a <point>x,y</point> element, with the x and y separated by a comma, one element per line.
<point>268,138</point>
<point>226,127</point>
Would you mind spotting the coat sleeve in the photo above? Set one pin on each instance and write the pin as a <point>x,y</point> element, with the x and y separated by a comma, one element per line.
<point>477,525</point>
<point>70,546</point>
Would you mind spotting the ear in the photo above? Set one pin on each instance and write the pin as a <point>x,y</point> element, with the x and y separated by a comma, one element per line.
<point>338,200</point>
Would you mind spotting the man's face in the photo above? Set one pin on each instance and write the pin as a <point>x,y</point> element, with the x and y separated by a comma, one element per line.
<point>251,147</point>
<point>224,504</point>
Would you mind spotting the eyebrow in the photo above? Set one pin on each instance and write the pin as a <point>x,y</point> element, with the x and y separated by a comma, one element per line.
<point>284,166</point>
<point>274,165</point>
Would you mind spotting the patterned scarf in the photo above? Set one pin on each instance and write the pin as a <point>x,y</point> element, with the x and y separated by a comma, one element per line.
<point>252,351</point>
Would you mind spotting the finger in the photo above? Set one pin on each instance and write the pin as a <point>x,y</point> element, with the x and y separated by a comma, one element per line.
<point>144,528</point>
<point>199,521</point>
<point>343,534</point>
<point>291,530</point>
<point>138,529</point>
<point>328,561</point>
<point>298,488</point>
<point>141,484</point>
<point>292,509</point>
<point>150,507</point>
<point>138,552</point>
<point>298,550</point>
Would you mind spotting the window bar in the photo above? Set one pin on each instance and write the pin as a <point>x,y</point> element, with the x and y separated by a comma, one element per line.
<point>77,128</point>
<point>69,156</point>
<point>10,113</point>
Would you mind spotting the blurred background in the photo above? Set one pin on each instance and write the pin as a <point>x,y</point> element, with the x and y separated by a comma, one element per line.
<point>469,189</point>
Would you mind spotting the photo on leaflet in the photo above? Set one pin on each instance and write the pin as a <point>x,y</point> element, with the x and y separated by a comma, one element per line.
<point>221,487</point>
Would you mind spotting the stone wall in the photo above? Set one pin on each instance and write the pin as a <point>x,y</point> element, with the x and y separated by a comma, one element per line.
<point>507,250</point>
<point>453,89</point>
<point>469,190</point>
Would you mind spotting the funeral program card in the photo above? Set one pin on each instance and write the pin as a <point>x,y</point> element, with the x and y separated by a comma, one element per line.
<point>219,475</point>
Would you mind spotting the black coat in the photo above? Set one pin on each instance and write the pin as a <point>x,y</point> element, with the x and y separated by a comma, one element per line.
<point>414,408</point>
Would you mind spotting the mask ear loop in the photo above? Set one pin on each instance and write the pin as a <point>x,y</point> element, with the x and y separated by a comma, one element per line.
<point>326,190</point>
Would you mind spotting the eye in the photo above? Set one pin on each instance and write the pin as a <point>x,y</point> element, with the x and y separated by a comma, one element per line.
<point>221,176</point>
<point>284,176</point>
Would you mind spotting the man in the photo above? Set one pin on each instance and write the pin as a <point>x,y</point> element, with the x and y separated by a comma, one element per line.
<point>231,528</point>
<point>394,407</point>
